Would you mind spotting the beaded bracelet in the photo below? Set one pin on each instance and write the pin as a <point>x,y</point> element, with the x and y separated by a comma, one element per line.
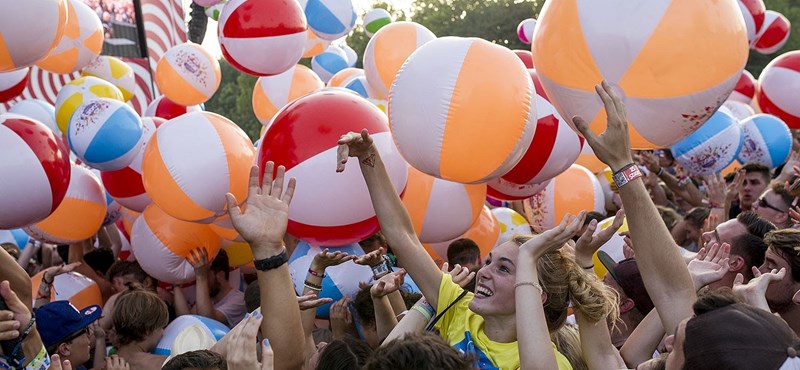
<point>531,283</point>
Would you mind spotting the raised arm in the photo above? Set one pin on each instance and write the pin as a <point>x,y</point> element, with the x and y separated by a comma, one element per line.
<point>663,271</point>
<point>202,268</point>
<point>395,223</point>
<point>262,225</point>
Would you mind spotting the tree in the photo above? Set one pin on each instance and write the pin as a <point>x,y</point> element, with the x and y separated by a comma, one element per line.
<point>791,10</point>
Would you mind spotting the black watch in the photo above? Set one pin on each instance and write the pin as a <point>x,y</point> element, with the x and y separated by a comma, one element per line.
<point>273,262</point>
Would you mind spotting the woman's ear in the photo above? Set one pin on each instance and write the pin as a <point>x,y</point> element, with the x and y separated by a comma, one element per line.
<point>544,297</point>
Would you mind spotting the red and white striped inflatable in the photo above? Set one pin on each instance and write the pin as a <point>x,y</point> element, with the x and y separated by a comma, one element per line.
<point>167,109</point>
<point>753,12</point>
<point>778,85</point>
<point>13,83</point>
<point>774,34</point>
<point>745,89</point>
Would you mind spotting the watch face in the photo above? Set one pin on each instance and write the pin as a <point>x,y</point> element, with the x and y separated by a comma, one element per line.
<point>380,269</point>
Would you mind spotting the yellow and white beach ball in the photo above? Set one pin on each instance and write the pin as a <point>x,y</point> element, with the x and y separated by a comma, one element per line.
<point>388,49</point>
<point>81,41</point>
<point>188,74</point>
<point>79,91</point>
<point>29,30</point>
<point>511,223</point>
<point>115,71</point>
<point>453,120</point>
<point>271,93</point>
<point>655,53</point>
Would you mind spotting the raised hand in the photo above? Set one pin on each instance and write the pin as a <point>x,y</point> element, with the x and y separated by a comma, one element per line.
<point>716,188</point>
<point>17,314</point>
<point>627,248</point>
<point>588,244</point>
<point>710,264</point>
<point>326,258</point>
<point>389,283</point>
<point>732,192</point>
<point>241,351</point>
<point>340,317</point>
<point>613,145</point>
<point>357,145</point>
<point>266,216</point>
<point>199,260</point>
<point>554,238</point>
<point>650,161</point>
<point>372,258</point>
<point>794,214</point>
<point>461,274</point>
<point>310,301</point>
<point>753,293</point>
<point>57,364</point>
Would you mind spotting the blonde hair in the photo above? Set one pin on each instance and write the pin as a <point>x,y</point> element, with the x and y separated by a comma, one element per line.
<point>564,282</point>
<point>568,342</point>
<point>137,313</point>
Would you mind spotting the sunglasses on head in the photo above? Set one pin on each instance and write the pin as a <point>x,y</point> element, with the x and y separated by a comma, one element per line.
<point>762,202</point>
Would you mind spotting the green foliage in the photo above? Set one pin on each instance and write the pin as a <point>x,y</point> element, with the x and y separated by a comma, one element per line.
<point>790,9</point>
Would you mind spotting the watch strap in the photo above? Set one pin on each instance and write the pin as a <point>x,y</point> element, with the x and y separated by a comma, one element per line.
<point>273,262</point>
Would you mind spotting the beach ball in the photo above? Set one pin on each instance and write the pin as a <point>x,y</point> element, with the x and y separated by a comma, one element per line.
<point>125,185</point>
<point>105,134</point>
<point>738,109</point>
<point>125,253</point>
<point>188,74</point>
<point>613,247</point>
<point>303,137</point>
<point>658,63</point>
<point>441,210</point>
<point>79,91</point>
<point>167,109</point>
<point>526,57</point>
<point>34,172</point>
<point>191,163</point>
<point>74,287</point>
<point>745,88</point>
<point>388,49</point>
<point>17,237</point>
<point>573,191</point>
<point>13,83</point>
<point>329,62</point>
<point>588,159</point>
<point>753,13</point>
<point>444,106</point>
<point>207,3</point>
<point>190,333</point>
<point>81,42</point>
<point>263,45</point>
<point>774,34</point>
<point>239,253</point>
<point>375,19</point>
<point>525,30</point>
<point>271,93</point>
<point>485,232</point>
<point>162,243</point>
<point>79,215</point>
<point>352,56</point>
<point>39,110</point>
<point>553,148</point>
<point>340,281</point>
<point>338,79</point>
<point>113,208</point>
<point>778,85</point>
<point>359,84</point>
<point>127,219</point>
<point>213,11</point>
<point>223,227</point>
<point>329,19</point>
<point>314,45</point>
<point>115,71</point>
<point>30,32</point>
<point>712,147</point>
<point>503,190</point>
<point>511,223</point>
<point>767,140</point>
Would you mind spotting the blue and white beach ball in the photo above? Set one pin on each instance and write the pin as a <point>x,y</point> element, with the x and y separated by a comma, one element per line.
<point>105,134</point>
<point>712,147</point>
<point>767,140</point>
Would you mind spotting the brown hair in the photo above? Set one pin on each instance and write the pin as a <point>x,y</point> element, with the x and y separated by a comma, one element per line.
<point>668,216</point>
<point>202,359</point>
<point>697,216</point>
<point>564,282</point>
<point>786,243</point>
<point>751,245</point>
<point>137,313</point>
<point>346,353</point>
<point>422,351</point>
<point>778,188</point>
<point>568,342</point>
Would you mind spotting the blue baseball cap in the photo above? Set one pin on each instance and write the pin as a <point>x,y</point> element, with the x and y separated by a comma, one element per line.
<point>58,320</point>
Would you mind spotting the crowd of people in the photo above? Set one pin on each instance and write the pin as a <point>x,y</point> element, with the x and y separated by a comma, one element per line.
<point>113,11</point>
<point>710,280</point>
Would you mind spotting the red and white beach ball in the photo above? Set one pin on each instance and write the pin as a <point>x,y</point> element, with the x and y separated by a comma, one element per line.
<point>774,34</point>
<point>13,83</point>
<point>262,38</point>
<point>30,32</point>
<point>115,71</point>
<point>388,49</point>
<point>745,88</point>
<point>650,53</point>
<point>81,42</point>
<point>188,74</point>
<point>525,30</point>
<point>441,210</point>
<point>271,93</point>
<point>79,216</point>
<point>34,172</point>
<point>753,13</point>
<point>39,110</point>
<point>105,134</point>
<point>778,85</point>
<point>303,137</point>
<point>452,120</point>
<point>162,243</point>
<point>193,161</point>
<point>167,109</point>
<point>573,191</point>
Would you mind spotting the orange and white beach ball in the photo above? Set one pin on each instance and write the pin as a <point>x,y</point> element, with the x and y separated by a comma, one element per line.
<point>573,191</point>
<point>193,161</point>
<point>653,56</point>
<point>29,31</point>
<point>314,45</point>
<point>485,232</point>
<point>451,119</point>
<point>81,42</point>
<point>74,287</point>
<point>271,93</point>
<point>388,49</point>
<point>340,78</point>
<point>188,74</point>
<point>113,70</point>
<point>79,91</point>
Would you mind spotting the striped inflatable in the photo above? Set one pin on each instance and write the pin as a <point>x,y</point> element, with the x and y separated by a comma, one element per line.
<point>485,232</point>
<point>74,287</point>
<point>13,83</point>
<point>388,49</point>
<point>737,109</point>
<point>525,30</point>
<point>774,34</point>
<point>239,253</point>
<point>441,210</point>
<point>183,145</point>
<point>80,43</point>
<point>161,244</point>
<point>115,71</point>
<point>17,237</point>
<point>346,74</point>
<point>39,110</point>
<point>375,19</point>
<point>314,45</point>
<point>329,19</point>
<point>272,93</point>
<point>329,62</point>
<point>753,13</point>
<point>712,147</point>
<point>511,223</point>
<point>745,88</point>
<point>125,185</point>
<point>263,45</point>
<point>526,57</point>
<point>650,53</point>
<point>105,134</point>
<point>444,107</point>
<point>213,11</point>
<point>35,171</point>
<point>79,215</point>
<point>28,33</point>
<point>352,56</point>
<point>79,91</point>
<point>778,85</point>
<point>164,108</point>
<point>223,227</point>
<point>189,333</point>
<point>573,191</point>
<point>767,140</point>
<point>188,74</point>
<point>303,138</point>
